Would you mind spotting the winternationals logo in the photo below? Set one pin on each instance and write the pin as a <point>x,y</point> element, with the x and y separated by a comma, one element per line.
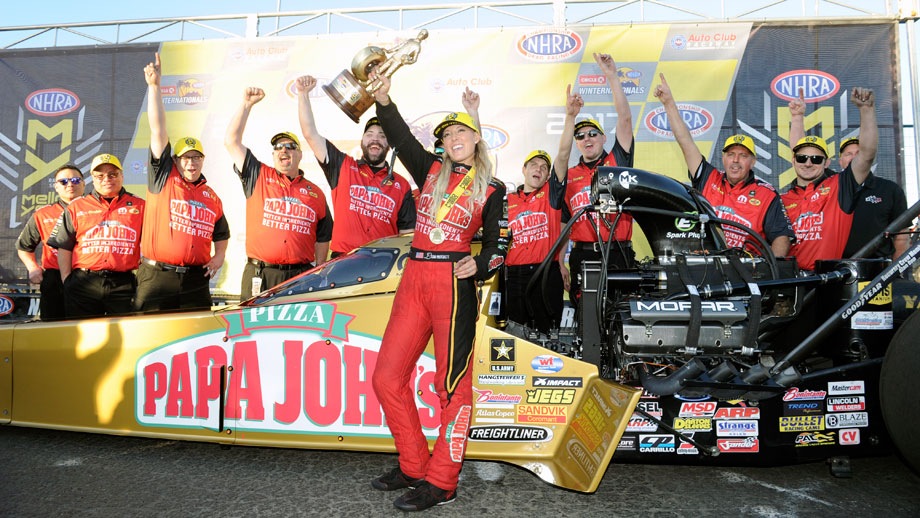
<point>295,369</point>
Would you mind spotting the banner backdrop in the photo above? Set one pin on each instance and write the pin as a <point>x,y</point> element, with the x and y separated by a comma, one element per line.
<point>67,105</point>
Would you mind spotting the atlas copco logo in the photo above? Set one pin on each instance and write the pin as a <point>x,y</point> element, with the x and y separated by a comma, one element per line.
<point>815,85</point>
<point>550,45</point>
<point>699,120</point>
<point>52,102</point>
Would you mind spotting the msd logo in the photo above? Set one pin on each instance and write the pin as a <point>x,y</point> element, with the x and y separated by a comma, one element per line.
<point>550,45</point>
<point>52,102</point>
<point>698,120</point>
<point>817,86</point>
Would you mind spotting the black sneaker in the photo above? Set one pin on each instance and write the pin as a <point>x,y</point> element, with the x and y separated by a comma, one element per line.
<point>394,480</point>
<point>423,496</point>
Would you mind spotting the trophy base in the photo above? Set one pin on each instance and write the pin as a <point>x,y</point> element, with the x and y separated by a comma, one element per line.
<point>349,95</point>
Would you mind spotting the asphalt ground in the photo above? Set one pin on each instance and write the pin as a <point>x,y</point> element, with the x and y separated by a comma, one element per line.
<point>46,473</point>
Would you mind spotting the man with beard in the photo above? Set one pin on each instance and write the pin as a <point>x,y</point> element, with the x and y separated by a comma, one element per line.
<point>288,224</point>
<point>370,201</point>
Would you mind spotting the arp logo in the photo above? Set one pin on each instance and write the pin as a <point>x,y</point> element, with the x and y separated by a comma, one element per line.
<point>52,102</point>
<point>550,45</point>
<point>699,120</point>
<point>815,85</point>
<point>738,412</point>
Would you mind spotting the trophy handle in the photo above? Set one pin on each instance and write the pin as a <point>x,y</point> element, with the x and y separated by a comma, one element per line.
<point>365,61</point>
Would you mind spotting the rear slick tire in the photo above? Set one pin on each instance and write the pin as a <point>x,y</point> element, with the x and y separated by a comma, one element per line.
<point>898,390</point>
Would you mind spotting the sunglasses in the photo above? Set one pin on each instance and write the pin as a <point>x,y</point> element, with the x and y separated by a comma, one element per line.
<point>71,181</point>
<point>815,159</point>
<point>110,176</point>
<point>592,134</point>
<point>290,146</point>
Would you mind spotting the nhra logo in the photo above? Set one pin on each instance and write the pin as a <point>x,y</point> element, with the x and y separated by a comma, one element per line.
<point>496,138</point>
<point>52,102</point>
<point>6,305</point>
<point>816,85</point>
<point>698,120</point>
<point>678,42</point>
<point>550,45</point>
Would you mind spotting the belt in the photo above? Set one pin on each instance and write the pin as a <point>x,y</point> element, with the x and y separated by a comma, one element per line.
<point>171,267</point>
<point>103,273</point>
<point>596,246</point>
<point>282,267</point>
<point>427,255</point>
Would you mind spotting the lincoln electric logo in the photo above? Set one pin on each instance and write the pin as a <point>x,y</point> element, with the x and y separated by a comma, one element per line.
<point>816,85</point>
<point>550,45</point>
<point>699,120</point>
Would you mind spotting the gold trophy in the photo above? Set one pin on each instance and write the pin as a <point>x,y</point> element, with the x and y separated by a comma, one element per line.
<point>352,90</point>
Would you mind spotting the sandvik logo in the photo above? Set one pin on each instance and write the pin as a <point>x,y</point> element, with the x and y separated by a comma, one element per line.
<point>816,85</point>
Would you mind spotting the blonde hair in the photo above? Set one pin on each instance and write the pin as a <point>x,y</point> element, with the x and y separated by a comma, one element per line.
<point>480,184</point>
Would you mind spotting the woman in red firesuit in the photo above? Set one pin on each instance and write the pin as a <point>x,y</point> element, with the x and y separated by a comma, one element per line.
<point>438,297</point>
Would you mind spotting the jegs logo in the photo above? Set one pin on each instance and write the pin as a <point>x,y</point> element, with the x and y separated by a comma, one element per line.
<point>550,45</point>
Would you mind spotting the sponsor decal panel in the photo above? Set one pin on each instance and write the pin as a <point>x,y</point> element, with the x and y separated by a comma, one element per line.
<point>745,445</point>
<point>488,398</point>
<point>656,443</point>
<point>846,404</point>
<point>501,379</point>
<point>501,355</point>
<point>510,433</point>
<point>794,394</point>
<point>550,396</point>
<point>582,457</point>
<point>801,423</point>
<point>845,388</point>
<point>536,414</point>
<point>494,415</point>
<point>685,447</point>
<point>737,412</point>
<point>737,428</point>
<point>803,407</point>
<point>547,364</point>
<point>457,431</point>
<point>696,424</point>
<point>557,381</point>
<point>627,443</point>
<point>849,436</point>
<point>639,423</point>
<point>697,409</point>
<point>848,420</point>
<point>815,439</point>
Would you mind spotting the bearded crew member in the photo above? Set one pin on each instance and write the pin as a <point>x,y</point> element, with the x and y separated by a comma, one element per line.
<point>98,240</point>
<point>288,224</point>
<point>369,200</point>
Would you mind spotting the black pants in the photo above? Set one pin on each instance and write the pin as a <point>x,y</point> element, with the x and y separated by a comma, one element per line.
<point>621,257</point>
<point>271,277</point>
<point>160,289</point>
<point>51,303</point>
<point>92,294</point>
<point>536,316</point>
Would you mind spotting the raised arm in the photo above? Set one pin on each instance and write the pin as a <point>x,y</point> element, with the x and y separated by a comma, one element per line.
<point>864,99</point>
<point>233,140</point>
<point>156,113</point>
<point>797,119</point>
<point>624,129</point>
<point>573,104</point>
<point>692,155</point>
<point>470,100</point>
<point>304,85</point>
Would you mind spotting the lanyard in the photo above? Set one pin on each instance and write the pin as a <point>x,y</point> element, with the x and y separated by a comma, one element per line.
<point>454,196</point>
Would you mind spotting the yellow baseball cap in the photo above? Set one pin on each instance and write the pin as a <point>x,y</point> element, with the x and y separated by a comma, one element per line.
<point>847,142</point>
<point>589,122</point>
<point>740,140</point>
<point>539,153</point>
<point>455,118</point>
<point>814,141</point>
<point>184,145</point>
<point>287,135</point>
<point>105,158</point>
